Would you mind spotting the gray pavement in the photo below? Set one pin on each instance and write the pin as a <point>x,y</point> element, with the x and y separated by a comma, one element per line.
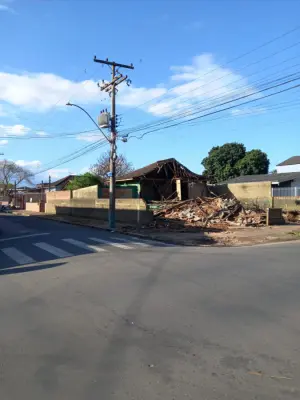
<point>145,322</point>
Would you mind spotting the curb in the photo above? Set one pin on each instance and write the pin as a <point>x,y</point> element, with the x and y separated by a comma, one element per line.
<point>137,235</point>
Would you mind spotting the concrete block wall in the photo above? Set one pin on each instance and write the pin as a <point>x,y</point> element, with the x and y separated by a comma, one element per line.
<point>59,195</point>
<point>121,193</point>
<point>287,203</point>
<point>90,192</point>
<point>250,193</point>
<point>32,207</point>
<point>127,210</point>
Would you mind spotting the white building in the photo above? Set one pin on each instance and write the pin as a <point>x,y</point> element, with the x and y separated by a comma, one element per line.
<point>292,164</point>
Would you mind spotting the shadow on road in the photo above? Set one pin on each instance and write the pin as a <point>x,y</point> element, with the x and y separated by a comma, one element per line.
<point>31,268</point>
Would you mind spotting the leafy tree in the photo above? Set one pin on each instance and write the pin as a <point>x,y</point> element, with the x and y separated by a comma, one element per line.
<point>231,160</point>
<point>101,168</point>
<point>83,181</point>
<point>11,173</point>
<point>220,164</point>
<point>255,162</point>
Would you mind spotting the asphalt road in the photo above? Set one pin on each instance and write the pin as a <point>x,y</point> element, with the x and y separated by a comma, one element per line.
<point>144,321</point>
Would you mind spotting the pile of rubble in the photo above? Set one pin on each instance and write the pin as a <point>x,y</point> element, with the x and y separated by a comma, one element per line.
<point>210,212</point>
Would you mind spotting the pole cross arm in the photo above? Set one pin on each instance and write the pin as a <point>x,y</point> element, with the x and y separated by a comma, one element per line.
<point>114,64</point>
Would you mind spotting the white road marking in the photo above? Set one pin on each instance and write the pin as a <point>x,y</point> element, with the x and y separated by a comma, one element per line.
<point>121,246</point>
<point>84,245</point>
<point>16,255</point>
<point>56,251</point>
<point>23,236</point>
<point>153,242</point>
<point>132,242</point>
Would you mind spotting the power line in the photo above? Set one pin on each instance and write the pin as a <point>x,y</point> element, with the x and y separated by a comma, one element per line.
<point>195,110</point>
<point>73,156</point>
<point>225,64</point>
<point>214,97</point>
<point>215,112</point>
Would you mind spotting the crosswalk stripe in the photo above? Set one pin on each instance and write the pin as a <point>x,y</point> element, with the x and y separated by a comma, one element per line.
<point>83,245</point>
<point>150,242</point>
<point>56,251</point>
<point>121,246</point>
<point>132,242</point>
<point>17,255</point>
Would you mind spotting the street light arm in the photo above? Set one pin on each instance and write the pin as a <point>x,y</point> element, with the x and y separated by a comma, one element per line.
<point>95,123</point>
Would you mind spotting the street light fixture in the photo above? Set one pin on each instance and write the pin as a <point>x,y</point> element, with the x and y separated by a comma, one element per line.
<point>112,184</point>
<point>91,118</point>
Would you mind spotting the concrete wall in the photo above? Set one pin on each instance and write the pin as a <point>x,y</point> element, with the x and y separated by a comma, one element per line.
<point>132,211</point>
<point>32,207</point>
<point>121,193</point>
<point>59,195</point>
<point>90,192</point>
<point>287,203</point>
<point>248,193</point>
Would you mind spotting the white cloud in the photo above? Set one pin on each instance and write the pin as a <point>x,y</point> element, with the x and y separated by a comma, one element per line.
<point>4,7</point>
<point>3,142</point>
<point>16,130</point>
<point>202,80</point>
<point>29,164</point>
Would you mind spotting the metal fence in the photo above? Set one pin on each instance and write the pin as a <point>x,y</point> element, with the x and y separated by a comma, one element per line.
<point>286,192</point>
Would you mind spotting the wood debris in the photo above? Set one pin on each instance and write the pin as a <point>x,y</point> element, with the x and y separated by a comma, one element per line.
<point>209,212</point>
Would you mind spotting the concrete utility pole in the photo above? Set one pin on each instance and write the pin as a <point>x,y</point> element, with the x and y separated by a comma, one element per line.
<point>15,196</point>
<point>111,88</point>
<point>49,188</point>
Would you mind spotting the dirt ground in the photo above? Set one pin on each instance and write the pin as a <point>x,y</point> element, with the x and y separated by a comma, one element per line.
<point>189,236</point>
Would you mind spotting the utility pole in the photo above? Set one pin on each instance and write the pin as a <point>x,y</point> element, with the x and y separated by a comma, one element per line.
<point>111,88</point>
<point>42,190</point>
<point>49,188</point>
<point>15,196</point>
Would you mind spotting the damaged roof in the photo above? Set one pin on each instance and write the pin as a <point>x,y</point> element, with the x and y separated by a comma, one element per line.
<point>180,171</point>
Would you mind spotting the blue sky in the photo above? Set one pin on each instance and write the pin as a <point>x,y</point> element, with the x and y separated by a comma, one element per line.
<point>194,47</point>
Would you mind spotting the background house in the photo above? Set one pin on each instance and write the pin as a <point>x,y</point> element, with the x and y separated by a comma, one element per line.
<point>292,164</point>
<point>281,184</point>
<point>60,184</point>
<point>165,179</point>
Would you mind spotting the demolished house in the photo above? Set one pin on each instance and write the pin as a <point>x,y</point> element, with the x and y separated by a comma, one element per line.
<point>165,180</point>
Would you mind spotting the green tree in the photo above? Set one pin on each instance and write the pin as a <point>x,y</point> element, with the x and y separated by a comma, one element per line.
<point>231,160</point>
<point>220,164</point>
<point>83,181</point>
<point>255,162</point>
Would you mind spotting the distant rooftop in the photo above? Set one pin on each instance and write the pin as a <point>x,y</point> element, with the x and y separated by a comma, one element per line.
<point>290,161</point>
<point>284,177</point>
